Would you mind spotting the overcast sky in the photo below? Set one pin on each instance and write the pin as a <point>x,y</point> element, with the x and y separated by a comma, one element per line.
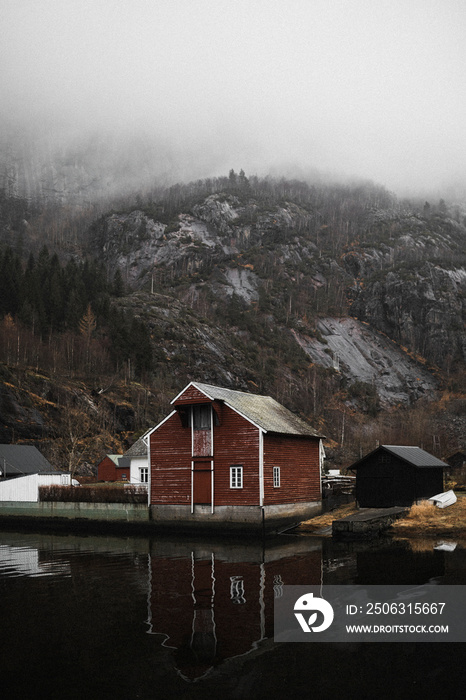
<point>370,88</point>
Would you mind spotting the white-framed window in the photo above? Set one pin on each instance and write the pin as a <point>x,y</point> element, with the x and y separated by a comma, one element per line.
<point>144,475</point>
<point>276,477</point>
<point>236,476</point>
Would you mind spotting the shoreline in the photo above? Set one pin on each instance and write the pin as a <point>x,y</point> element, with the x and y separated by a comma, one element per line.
<point>423,521</point>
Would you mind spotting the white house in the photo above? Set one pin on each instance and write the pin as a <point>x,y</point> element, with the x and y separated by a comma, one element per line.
<point>26,488</point>
<point>139,462</point>
<point>23,469</point>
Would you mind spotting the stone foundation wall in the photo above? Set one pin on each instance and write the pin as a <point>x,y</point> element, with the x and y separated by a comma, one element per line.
<point>115,512</point>
<point>233,518</point>
<point>169,518</point>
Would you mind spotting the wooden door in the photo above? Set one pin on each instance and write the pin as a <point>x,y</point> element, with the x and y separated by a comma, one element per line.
<point>202,483</point>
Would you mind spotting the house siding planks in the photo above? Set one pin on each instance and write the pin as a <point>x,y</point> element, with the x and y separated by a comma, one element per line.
<point>298,459</point>
<point>236,442</point>
<point>191,396</point>
<point>171,463</point>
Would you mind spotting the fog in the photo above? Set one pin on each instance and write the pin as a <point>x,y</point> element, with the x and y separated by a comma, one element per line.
<point>366,88</point>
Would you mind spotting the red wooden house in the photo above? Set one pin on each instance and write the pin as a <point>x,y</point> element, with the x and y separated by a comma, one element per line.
<point>113,468</point>
<point>226,459</point>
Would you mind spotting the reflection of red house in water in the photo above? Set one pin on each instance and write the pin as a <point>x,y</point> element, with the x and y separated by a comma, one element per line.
<point>229,459</point>
<point>211,609</point>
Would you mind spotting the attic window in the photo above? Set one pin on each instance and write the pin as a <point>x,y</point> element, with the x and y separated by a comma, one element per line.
<point>384,459</point>
<point>201,417</point>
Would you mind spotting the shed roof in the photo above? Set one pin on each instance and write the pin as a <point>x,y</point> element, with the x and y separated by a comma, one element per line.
<point>411,454</point>
<point>414,455</point>
<point>18,460</point>
<point>264,411</point>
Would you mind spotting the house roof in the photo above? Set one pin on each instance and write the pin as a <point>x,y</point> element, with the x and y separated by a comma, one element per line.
<point>19,460</point>
<point>264,411</point>
<point>411,454</point>
<point>138,449</point>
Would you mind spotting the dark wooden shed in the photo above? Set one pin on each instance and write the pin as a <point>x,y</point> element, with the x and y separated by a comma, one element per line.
<point>397,475</point>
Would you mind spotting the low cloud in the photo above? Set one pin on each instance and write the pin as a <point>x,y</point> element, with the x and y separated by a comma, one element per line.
<point>364,89</point>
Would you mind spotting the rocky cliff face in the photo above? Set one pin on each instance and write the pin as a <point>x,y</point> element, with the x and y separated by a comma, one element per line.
<point>366,357</point>
<point>414,290</point>
<point>423,309</point>
<point>379,305</point>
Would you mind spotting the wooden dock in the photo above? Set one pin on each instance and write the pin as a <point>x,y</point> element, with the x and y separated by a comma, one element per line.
<point>367,522</point>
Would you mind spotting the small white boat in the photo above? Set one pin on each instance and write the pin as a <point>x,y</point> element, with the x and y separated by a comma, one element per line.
<point>442,500</point>
<point>445,546</point>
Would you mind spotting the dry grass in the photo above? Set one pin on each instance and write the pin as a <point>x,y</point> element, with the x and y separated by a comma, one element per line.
<point>326,519</point>
<point>423,519</point>
<point>426,519</point>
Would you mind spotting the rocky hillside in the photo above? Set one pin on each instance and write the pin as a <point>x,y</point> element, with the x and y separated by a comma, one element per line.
<point>413,285</point>
<point>296,263</point>
<point>342,302</point>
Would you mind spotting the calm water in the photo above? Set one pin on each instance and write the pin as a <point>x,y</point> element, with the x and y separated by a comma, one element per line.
<point>109,617</point>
